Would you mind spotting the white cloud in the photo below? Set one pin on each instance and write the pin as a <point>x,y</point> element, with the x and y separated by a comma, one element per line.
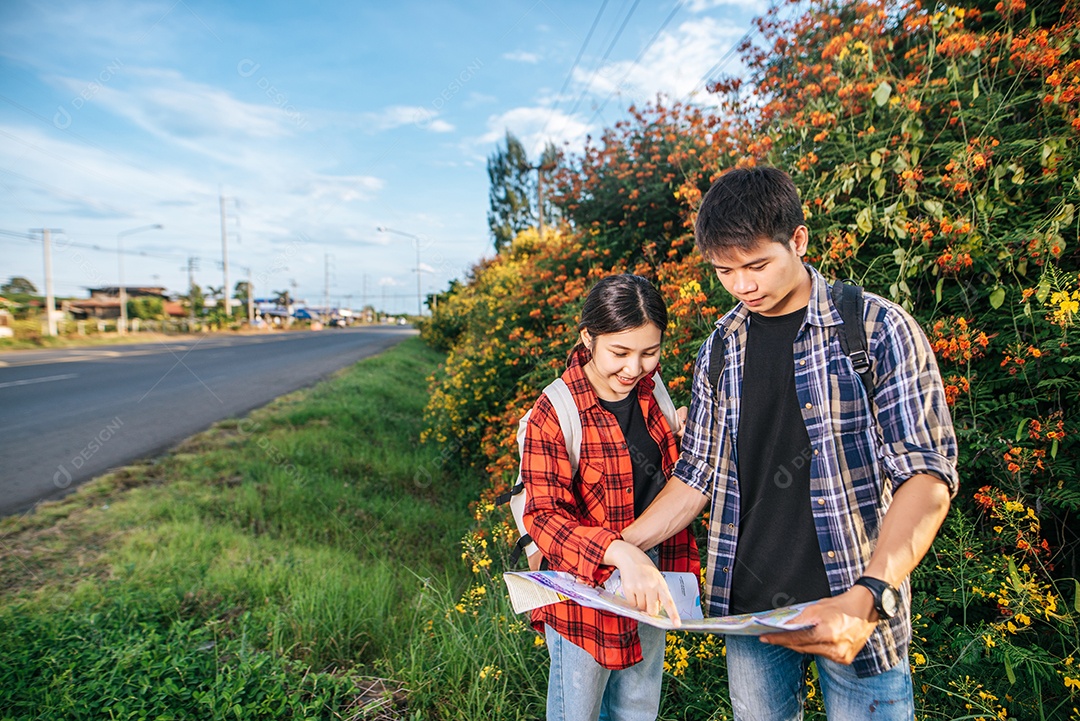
<point>674,65</point>
<point>397,116</point>
<point>388,282</point>
<point>165,103</point>
<point>535,127</point>
<point>698,6</point>
<point>521,56</point>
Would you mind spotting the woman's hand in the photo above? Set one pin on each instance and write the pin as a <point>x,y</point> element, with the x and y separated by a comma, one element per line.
<point>681,413</point>
<point>643,585</point>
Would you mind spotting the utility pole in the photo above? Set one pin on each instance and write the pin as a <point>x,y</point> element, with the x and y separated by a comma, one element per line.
<point>326,287</point>
<point>192,265</point>
<point>50,299</point>
<point>251,300</point>
<point>224,252</point>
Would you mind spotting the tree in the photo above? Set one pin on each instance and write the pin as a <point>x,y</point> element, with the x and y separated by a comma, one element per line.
<point>18,285</point>
<point>241,291</point>
<point>146,308</point>
<point>511,192</point>
<point>195,300</point>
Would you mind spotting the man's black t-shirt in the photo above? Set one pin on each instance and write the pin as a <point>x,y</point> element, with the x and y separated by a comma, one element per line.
<point>777,559</point>
<point>644,453</point>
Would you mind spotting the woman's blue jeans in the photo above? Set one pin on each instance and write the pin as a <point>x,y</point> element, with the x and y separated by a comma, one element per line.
<point>767,684</point>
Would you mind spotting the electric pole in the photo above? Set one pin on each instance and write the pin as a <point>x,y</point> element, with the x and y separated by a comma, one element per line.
<point>224,252</point>
<point>50,300</point>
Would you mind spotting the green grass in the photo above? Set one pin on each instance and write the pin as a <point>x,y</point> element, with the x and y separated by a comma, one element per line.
<point>277,566</point>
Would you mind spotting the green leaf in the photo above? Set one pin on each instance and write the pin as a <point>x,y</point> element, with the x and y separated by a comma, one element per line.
<point>1076,595</point>
<point>1020,429</point>
<point>1009,671</point>
<point>865,220</point>
<point>1054,449</point>
<point>937,291</point>
<point>935,208</point>
<point>997,297</point>
<point>880,188</point>
<point>1014,576</point>
<point>975,89</point>
<point>882,93</point>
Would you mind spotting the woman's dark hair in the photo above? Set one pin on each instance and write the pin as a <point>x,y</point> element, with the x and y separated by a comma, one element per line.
<point>745,206</point>
<point>622,302</point>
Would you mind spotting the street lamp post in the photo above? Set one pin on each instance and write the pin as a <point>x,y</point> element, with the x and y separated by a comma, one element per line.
<point>416,239</point>
<point>120,267</point>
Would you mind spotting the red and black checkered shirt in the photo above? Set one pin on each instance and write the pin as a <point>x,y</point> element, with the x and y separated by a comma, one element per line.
<point>574,514</point>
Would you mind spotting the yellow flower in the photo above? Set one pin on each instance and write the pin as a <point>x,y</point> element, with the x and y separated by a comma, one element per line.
<point>538,640</point>
<point>989,641</point>
<point>919,658</point>
<point>1072,683</point>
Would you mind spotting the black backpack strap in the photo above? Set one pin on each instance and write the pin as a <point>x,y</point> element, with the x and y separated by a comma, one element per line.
<point>505,497</point>
<point>848,299</point>
<point>716,361</point>
<point>520,546</point>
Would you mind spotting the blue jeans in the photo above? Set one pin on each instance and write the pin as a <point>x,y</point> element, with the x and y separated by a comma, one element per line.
<point>767,684</point>
<point>580,689</point>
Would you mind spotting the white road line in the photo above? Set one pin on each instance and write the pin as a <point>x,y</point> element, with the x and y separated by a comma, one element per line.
<point>46,379</point>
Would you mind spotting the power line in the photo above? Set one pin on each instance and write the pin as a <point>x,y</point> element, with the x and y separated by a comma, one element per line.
<point>570,74</point>
<point>663,25</point>
<point>607,52</point>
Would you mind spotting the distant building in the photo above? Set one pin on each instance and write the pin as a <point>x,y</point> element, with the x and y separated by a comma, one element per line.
<point>104,303</point>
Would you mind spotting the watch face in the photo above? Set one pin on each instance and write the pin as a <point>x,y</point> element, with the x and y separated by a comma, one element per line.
<point>890,602</point>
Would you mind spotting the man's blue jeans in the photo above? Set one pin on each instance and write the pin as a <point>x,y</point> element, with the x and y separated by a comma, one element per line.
<point>767,684</point>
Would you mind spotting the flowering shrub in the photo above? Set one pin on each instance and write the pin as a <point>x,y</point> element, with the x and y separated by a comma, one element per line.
<point>937,151</point>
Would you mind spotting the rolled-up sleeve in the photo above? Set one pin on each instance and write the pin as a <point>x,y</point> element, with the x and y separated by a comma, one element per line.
<point>917,434</point>
<point>696,464</point>
<point>551,512</point>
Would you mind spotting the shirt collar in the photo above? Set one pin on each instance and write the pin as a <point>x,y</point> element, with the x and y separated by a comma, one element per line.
<point>819,309</point>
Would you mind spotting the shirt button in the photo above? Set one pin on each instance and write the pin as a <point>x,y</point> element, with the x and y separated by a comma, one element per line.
<point>802,362</point>
<point>821,501</point>
<point>809,406</point>
<point>830,554</point>
<point>817,452</point>
<point>725,569</point>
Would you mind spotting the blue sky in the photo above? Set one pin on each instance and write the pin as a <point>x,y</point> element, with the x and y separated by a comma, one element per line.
<point>318,122</point>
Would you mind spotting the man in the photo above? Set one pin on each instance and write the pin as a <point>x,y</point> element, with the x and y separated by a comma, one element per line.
<point>817,491</point>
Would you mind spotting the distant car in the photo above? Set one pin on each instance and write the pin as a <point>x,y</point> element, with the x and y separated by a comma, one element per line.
<point>402,321</point>
<point>338,323</point>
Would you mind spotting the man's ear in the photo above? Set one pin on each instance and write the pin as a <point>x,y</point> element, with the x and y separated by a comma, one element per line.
<point>800,239</point>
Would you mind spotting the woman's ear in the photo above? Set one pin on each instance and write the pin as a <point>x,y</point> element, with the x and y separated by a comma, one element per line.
<point>586,340</point>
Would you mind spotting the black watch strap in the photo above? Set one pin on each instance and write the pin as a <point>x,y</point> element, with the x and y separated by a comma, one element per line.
<point>886,597</point>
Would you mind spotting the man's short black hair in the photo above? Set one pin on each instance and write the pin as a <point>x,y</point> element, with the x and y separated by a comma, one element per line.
<point>745,206</point>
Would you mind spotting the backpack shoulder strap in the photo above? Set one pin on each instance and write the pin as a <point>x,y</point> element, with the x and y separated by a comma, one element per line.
<point>716,361</point>
<point>562,400</point>
<point>848,299</point>
<point>663,399</point>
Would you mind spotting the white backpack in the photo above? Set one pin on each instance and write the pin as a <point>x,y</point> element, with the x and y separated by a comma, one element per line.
<point>562,400</point>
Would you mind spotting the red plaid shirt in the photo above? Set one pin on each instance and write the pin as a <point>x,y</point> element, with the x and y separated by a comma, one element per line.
<point>574,514</point>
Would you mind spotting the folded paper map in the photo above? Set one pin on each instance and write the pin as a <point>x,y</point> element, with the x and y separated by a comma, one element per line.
<point>533,589</point>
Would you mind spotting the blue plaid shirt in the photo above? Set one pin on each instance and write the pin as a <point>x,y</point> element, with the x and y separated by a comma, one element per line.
<point>861,454</point>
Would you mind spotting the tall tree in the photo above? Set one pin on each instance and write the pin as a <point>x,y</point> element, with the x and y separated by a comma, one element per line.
<point>18,285</point>
<point>512,188</point>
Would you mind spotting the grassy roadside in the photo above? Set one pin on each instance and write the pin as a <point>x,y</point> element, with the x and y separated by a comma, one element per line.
<point>285,565</point>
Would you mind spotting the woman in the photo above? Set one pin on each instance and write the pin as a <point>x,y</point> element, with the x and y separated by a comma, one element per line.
<point>603,665</point>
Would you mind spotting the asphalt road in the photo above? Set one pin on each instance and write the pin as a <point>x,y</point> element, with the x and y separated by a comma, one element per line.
<point>69,415</point>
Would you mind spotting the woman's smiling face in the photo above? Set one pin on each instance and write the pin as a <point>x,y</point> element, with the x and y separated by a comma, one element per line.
<point>620,360</point>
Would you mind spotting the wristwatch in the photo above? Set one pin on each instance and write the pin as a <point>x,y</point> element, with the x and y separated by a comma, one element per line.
<point>886,597</point>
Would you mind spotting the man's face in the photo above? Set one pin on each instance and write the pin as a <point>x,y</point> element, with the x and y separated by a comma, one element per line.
<point>769,278</point>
